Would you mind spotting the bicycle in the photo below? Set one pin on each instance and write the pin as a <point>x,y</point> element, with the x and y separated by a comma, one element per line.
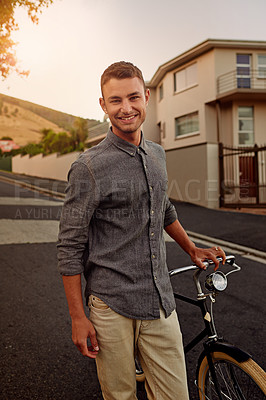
<point>224,372</point>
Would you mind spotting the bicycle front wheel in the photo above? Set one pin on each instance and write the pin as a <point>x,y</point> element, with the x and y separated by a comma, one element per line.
<point>237,380</point>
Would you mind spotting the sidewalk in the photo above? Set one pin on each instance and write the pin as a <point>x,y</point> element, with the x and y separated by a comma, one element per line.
<point>243,228</point>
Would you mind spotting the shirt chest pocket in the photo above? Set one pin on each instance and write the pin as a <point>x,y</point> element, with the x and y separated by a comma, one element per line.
<point>124,194</point>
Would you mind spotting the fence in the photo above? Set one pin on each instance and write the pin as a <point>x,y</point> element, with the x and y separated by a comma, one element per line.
<point>6,163</point>
<point>242,176</point>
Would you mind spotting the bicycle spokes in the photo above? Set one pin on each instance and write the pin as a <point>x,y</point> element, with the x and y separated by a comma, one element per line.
<point>234,384</point>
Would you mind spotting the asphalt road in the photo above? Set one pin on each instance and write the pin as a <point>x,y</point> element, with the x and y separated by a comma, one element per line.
<point>38,359</point>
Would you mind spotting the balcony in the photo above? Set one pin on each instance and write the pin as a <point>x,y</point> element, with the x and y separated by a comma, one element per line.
<point>234,85</point>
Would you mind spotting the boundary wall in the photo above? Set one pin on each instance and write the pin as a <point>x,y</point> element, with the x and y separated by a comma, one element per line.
<point>53,166</point>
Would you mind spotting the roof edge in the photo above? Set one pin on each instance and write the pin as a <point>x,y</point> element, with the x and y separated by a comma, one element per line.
<point>200,49</point>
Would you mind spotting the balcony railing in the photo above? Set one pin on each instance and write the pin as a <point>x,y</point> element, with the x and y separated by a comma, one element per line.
<point>253,80</point>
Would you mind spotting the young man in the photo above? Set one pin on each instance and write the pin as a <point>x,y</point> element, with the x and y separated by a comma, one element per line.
<point>111,230</point>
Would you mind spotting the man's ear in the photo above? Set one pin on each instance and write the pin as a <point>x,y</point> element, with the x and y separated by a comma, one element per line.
<point>147,96</point>
<point>102,104</point>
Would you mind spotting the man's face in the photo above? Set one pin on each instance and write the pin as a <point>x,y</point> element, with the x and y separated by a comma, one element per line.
<point>125,101</point>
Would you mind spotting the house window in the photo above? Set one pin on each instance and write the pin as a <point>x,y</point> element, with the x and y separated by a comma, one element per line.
<point>262,65</point>
<point>187,124</point>
<point>245,126</point>
<point>185,78</point>
<point>160,92</point>
<point>243,70</point>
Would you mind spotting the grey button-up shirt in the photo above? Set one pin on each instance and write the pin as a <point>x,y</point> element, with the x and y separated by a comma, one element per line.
<point>111,226</point>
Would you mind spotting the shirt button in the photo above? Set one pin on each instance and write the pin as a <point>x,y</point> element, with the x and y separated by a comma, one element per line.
<point>155,277</point>
<point>152,211</point>
<point>145,166</point>
<point>153,256</point>
<point>150,187</point>
<point>152,233</point>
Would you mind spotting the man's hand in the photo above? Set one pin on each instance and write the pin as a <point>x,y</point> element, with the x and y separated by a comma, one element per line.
<point>82,329</point>
<point>199,255</point>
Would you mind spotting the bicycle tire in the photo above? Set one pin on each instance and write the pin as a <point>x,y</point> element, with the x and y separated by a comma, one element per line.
<point>238,380</point>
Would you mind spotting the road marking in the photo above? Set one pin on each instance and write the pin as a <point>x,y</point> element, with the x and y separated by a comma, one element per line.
<point>29,201</point>
<point>28,231</point>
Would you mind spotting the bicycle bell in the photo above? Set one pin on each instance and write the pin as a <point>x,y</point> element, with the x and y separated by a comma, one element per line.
<point>216,281</point>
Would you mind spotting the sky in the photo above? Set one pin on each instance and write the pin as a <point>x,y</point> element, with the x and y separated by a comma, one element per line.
<point>76,40</point>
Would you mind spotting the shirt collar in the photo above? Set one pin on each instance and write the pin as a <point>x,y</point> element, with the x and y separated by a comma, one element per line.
<point>122,144</point>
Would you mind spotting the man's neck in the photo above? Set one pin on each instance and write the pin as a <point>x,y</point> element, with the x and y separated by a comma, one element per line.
<point>133,138</point>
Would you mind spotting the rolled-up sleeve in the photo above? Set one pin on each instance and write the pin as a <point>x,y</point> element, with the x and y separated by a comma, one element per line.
<point>170,213</point>
<point>80,203</point>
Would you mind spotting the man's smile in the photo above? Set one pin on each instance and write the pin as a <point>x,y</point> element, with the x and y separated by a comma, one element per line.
<point>129,118</point>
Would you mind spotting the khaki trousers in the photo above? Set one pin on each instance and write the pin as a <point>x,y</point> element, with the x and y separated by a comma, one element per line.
<point>158,344</point>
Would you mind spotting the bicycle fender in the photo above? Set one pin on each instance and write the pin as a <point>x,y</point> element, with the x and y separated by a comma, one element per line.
<point>233,351</point>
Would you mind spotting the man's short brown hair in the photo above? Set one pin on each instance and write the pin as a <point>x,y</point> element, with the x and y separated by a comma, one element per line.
<point>121,70</point>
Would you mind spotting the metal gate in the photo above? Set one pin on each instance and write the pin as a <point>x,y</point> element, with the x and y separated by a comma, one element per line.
<point>242,176</point>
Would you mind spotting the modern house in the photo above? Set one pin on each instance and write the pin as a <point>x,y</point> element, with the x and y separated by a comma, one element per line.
<point>208,111</point>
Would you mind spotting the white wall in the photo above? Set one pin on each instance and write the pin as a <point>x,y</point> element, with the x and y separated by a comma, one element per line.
<point>52,166</point>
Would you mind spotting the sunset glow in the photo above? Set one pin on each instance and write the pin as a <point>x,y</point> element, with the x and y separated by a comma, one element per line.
<point>76,40</point>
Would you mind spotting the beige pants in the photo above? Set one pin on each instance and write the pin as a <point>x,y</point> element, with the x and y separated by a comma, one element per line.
<point>158,344</point>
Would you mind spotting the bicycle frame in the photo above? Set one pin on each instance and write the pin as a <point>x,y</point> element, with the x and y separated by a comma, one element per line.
<point>201,303</point>
<point>208,330</point>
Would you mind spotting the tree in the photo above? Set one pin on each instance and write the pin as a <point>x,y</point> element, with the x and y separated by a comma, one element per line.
<point>8,61</point>
<point>6,138</point>
<point>31,148</point>
<point>80,131</point>
<point>60,142</point>
<point>48,140</point>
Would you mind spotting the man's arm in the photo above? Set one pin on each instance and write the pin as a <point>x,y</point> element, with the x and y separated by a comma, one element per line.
<point>82,328</point>
<point>80,203</point>
<point>198,255</point>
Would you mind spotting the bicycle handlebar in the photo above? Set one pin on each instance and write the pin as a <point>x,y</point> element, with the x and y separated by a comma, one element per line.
<point>229,260</point>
